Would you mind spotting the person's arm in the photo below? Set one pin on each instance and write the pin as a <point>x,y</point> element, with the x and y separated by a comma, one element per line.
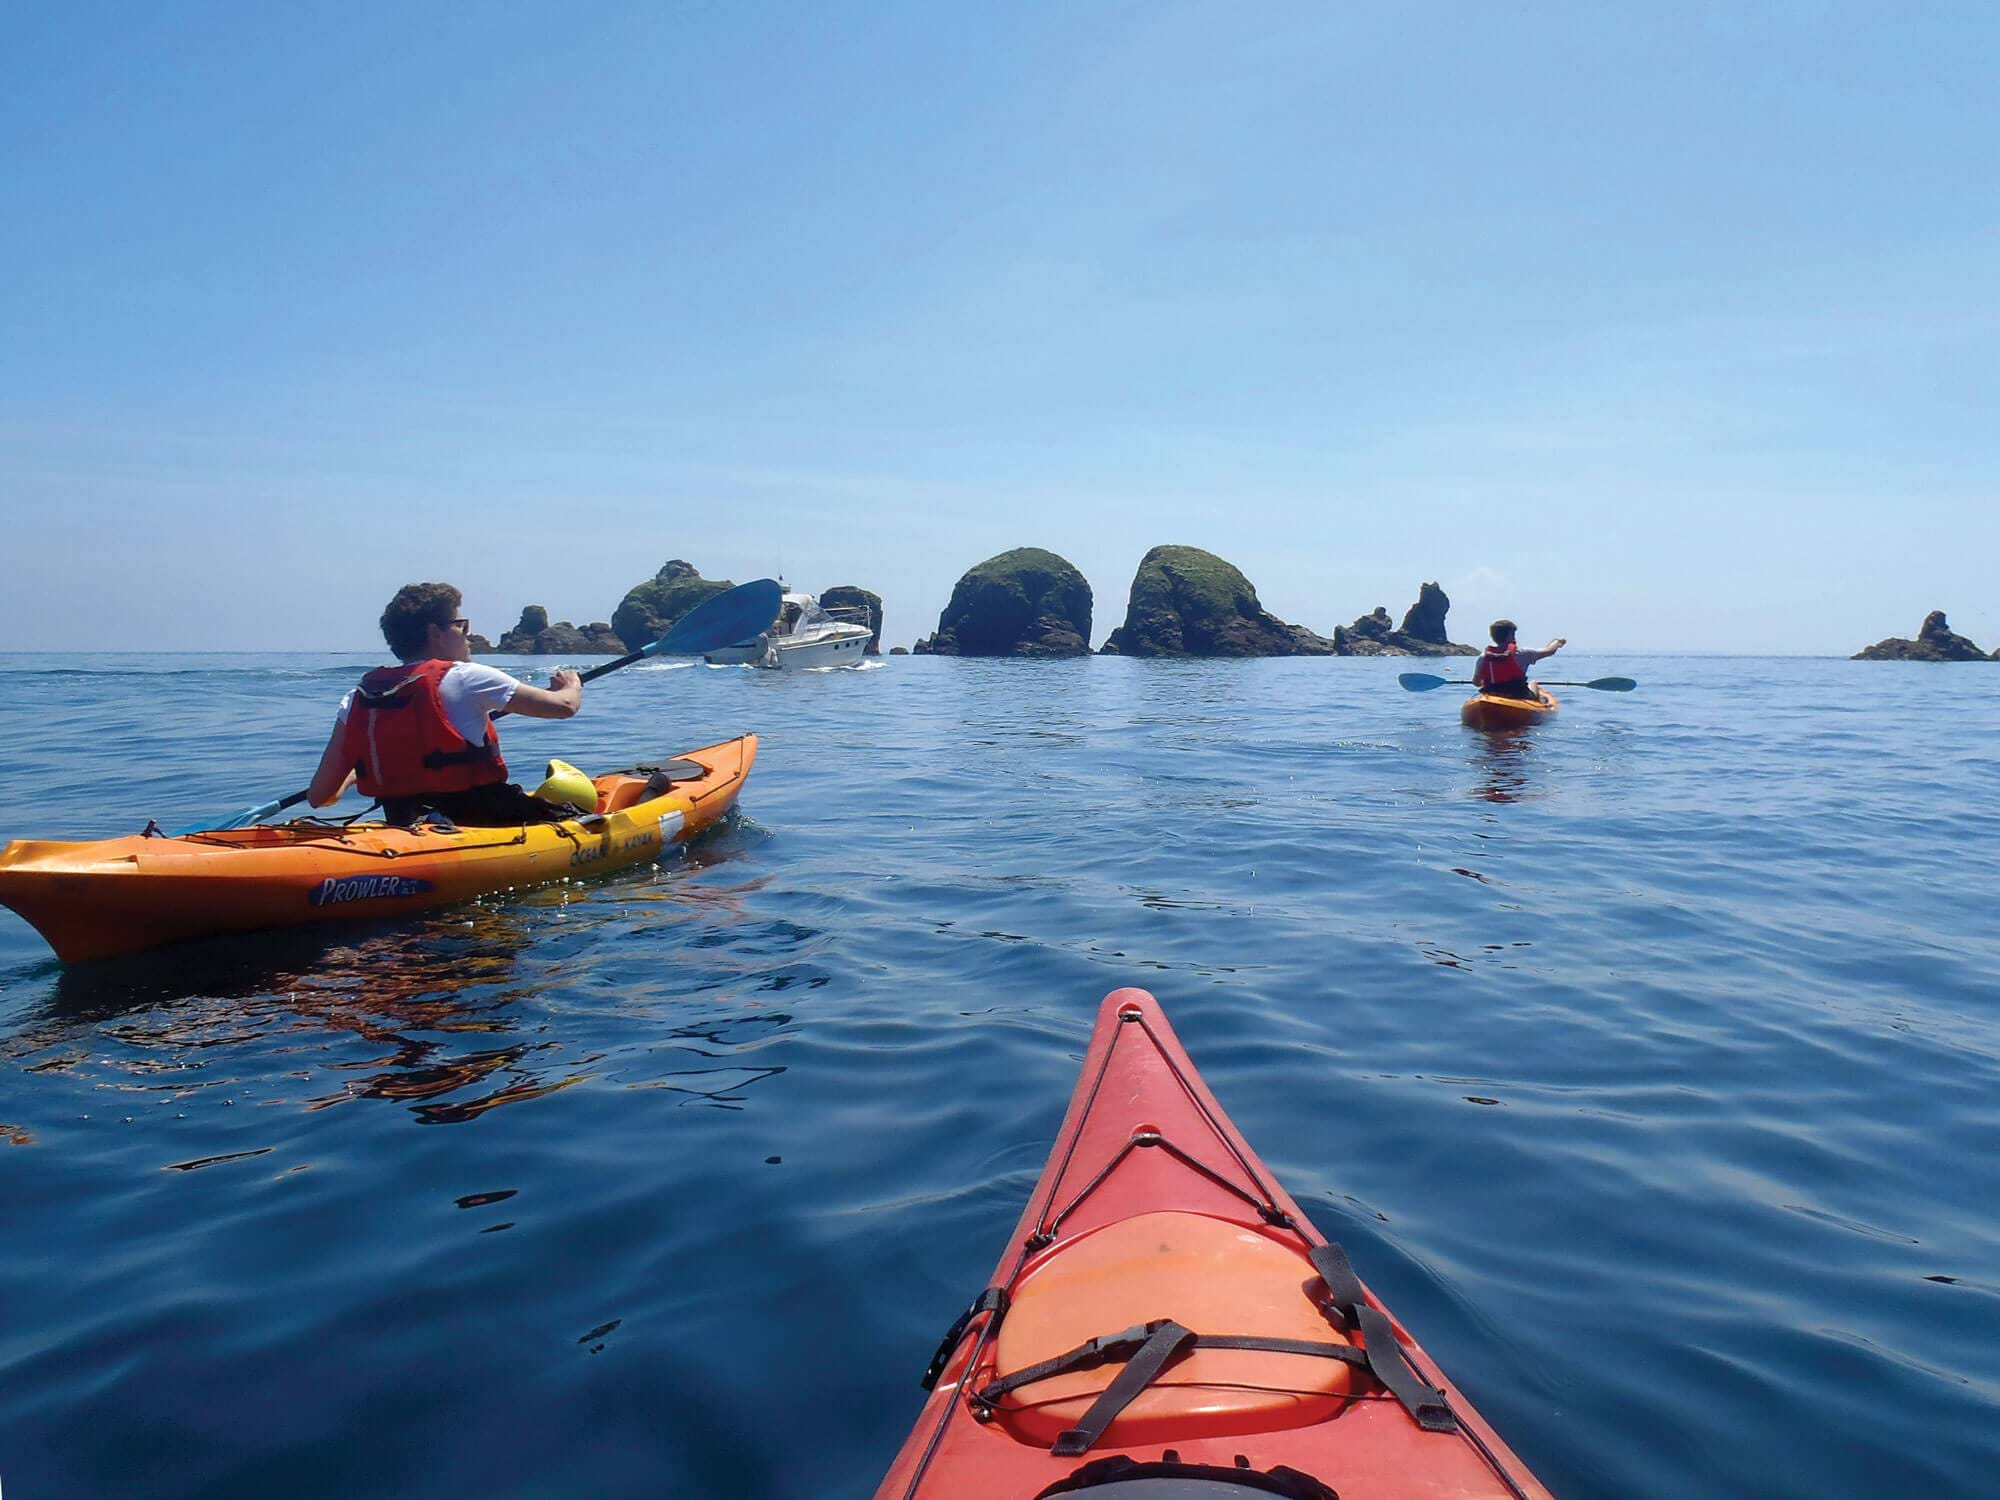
<point>559,700</point>
<point>336,773</point>
<point>1529,658</point>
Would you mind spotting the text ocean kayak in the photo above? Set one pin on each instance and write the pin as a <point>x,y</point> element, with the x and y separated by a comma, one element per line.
<point>1485,711</point>
<point>119,895</point>
<point>1165,1325</point>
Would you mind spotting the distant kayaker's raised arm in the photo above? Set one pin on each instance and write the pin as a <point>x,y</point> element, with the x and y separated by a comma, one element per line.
<point>1529,658</point>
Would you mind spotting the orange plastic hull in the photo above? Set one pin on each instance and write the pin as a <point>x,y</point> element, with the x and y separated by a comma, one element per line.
<point>1153,1206</point>
<point>1487,712</point>
<point>120,895</point>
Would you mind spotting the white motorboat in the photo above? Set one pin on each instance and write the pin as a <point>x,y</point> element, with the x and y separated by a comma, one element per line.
<point>805,636</point>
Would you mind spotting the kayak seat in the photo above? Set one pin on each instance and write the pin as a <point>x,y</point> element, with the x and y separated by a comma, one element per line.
<point>1206,1274</point>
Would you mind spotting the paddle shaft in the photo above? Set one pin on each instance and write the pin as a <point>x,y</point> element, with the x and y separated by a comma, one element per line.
<point>1424,682</point>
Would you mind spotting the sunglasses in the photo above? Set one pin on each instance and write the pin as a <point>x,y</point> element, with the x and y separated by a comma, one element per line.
<point>462,625</point>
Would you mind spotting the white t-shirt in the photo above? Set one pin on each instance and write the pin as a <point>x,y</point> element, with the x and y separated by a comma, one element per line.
<point>470,693</point>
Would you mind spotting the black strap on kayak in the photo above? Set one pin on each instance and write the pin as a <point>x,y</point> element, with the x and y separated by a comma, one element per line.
<point>1212,1479</point>
<point>1385,1359</point>
<point>1125,1345</point>
<point>1145,1349</point>
<point>992,1300</point>
<point>1163,1341</point>
<point>666,773</point>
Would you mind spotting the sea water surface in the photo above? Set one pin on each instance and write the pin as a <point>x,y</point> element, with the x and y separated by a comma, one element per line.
<point>1647,1064</point>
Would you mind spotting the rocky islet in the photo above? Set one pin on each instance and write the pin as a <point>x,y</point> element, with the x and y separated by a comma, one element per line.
<point>1030,602</point>
<point>533,635</point>
<point>1935,641</point>
<point>1026,602</point>
<point>1188,602</point>
<point>1421,633</point>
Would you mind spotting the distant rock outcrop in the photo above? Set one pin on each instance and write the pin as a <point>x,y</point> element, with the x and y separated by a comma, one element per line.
<point>647,609</point>
<point>899,650</point>
<point>1934,642</point>
<point>1027,602</point>
<point>535,636</point>
<point>479,645</point>
<point>853,596</point>
<point>1187,602</point>
<point>1422,633</point>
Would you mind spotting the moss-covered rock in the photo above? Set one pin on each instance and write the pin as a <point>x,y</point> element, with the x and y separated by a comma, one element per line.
<point>853,596</point>
<point>647,609</point>
<point>1027,602</point>
<point>1936,641</point>
<point>1187,602</point>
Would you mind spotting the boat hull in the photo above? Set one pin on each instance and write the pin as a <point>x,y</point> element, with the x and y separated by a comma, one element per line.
<point>1485,711</point>
<point>843,649</point>
<point>94,900</point>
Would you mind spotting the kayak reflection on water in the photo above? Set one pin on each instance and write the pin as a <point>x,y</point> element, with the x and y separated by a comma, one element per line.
<point>1501,761</point>
<point>405,994</point>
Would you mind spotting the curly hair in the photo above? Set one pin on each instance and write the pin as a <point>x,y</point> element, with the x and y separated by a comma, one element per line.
<point>418,606</point>
<point>1503,631</point>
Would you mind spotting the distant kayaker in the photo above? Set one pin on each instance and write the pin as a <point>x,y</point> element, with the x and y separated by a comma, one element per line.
<point>419,737</point>
<point>1503,670</point>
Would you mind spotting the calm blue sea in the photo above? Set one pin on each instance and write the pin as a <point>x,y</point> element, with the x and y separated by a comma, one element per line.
<point>1649,1067</point>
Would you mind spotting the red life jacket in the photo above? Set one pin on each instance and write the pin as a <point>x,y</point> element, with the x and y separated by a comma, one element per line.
<point>401,744</point>
<point>1499,665</point>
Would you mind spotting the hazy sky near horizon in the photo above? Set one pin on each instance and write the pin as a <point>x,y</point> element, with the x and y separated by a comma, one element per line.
<point>1659,327</point>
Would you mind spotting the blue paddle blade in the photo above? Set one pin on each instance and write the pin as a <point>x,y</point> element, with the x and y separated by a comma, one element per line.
<point>1420,682</point>
<point>1612,684</point>
<point>744,611</point>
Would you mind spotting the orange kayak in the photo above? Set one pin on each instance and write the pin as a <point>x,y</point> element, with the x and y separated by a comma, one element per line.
<point>1485,711</point>
<point>120,895</point>
<point>1165,1322</point>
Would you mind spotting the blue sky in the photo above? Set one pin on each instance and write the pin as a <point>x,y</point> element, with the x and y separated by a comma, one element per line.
<point>1656,326</point>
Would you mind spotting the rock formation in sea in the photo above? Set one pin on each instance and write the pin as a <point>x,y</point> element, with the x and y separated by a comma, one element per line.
<point>535,636</point>
<point>1422,632</point>
<point>1027,602</point>
<point>853,596</point>
<point>1935,642</point>
<point>899,650</point>
<point>648,608</point>
<point>1187,602</point>
<point>479,645</point>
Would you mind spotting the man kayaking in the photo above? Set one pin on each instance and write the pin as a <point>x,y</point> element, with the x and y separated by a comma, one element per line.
<point>419,737</point>
<point>1503,670</point>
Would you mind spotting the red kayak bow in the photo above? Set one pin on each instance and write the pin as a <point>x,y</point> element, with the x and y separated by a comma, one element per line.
<point>1166,1324</point>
